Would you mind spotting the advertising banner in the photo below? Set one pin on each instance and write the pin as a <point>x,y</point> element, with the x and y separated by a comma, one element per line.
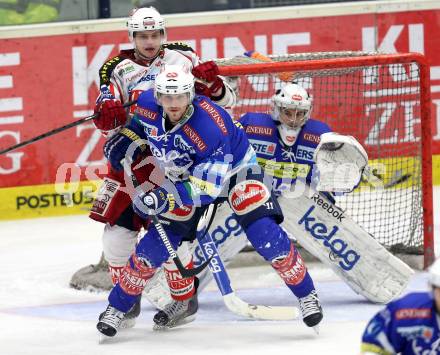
<point>49,81</point>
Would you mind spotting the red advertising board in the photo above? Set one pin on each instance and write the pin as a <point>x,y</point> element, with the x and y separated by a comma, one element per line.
<point>46,82</point>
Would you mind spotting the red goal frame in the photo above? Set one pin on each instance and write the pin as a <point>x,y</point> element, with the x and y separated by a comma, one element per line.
<point>234,69</point>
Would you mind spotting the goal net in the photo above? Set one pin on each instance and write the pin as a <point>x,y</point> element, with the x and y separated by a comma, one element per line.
<point>383,101</point>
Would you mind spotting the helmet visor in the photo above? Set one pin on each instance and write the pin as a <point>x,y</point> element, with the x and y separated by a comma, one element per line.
<point>293,117</point>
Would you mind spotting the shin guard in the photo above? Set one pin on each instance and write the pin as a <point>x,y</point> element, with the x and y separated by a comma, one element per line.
<point>293,271</point>
<point>132,281</point>
<point>181,288</point>
<point>115,273</point>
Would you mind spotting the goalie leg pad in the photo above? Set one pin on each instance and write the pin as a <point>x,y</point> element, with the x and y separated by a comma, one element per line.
<point>353,254</point>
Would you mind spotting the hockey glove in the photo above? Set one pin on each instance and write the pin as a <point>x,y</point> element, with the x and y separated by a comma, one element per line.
<point>341,161</point>
<point>111,115</point>
<point>207,80</point>
<point>154,202</point>
<point>124,144</point>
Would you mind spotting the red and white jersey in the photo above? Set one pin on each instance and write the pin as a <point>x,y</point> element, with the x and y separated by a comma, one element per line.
<point>124,77</point>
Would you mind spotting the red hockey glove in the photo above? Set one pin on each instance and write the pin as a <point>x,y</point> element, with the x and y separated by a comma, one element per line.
<point>207,73</point>
<point>112,115</point>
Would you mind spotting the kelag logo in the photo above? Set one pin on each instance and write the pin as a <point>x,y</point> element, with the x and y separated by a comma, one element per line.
<point>328,237</point>
<point>214,265</point>
<point>231,227</point>
<point>221,233</point>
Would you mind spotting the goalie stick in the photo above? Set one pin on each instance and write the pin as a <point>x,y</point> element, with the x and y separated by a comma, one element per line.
<point>376,180</point>
<point>218,270</point>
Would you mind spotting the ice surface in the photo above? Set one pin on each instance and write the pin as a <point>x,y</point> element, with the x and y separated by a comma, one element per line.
<point>40,314</point>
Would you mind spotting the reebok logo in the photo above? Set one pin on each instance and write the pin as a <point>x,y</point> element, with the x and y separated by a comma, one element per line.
<point>332,210</point>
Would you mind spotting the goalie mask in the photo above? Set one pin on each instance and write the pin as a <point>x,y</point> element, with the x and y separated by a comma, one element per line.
<point>292,107</point>
<point>174,80</point>
<point>146,19</point>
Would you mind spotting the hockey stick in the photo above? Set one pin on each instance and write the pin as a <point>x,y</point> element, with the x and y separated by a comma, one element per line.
<point>374,178</point>
<point>397,180</point>
<point>218,270</point>
<point>286,76</point>
<point>57,130</point>
<point>163,235</point>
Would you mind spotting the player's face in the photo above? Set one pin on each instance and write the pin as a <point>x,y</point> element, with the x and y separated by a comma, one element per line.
<point>294,118</point>
<point>148,43</point>
<point>174,106</point>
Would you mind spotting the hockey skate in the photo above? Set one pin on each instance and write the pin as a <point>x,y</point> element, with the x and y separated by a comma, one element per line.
<point>110,321</point>
<point>176,313</point>
<point>129,319</point>
<point>311,310</point>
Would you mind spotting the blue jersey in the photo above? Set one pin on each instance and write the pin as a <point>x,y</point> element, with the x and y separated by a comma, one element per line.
<point>200,152</point>
<point>409,325</point>
<point>284,163</point>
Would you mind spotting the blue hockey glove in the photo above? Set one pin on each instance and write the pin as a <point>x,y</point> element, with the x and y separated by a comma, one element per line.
<point>154,202</point>
<point>118,146</point>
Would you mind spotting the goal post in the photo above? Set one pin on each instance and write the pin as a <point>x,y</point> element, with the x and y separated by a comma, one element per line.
<point>384,101</point>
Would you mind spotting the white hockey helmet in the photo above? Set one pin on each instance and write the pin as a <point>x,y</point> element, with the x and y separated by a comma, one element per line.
<point>292,96</point>
<point>145,19</point>
<point>434,274</point>
<point>295,97</point>
<point>173,80</point>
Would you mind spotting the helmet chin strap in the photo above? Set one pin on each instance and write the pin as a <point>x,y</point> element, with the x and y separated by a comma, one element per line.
<point>288,135</point>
